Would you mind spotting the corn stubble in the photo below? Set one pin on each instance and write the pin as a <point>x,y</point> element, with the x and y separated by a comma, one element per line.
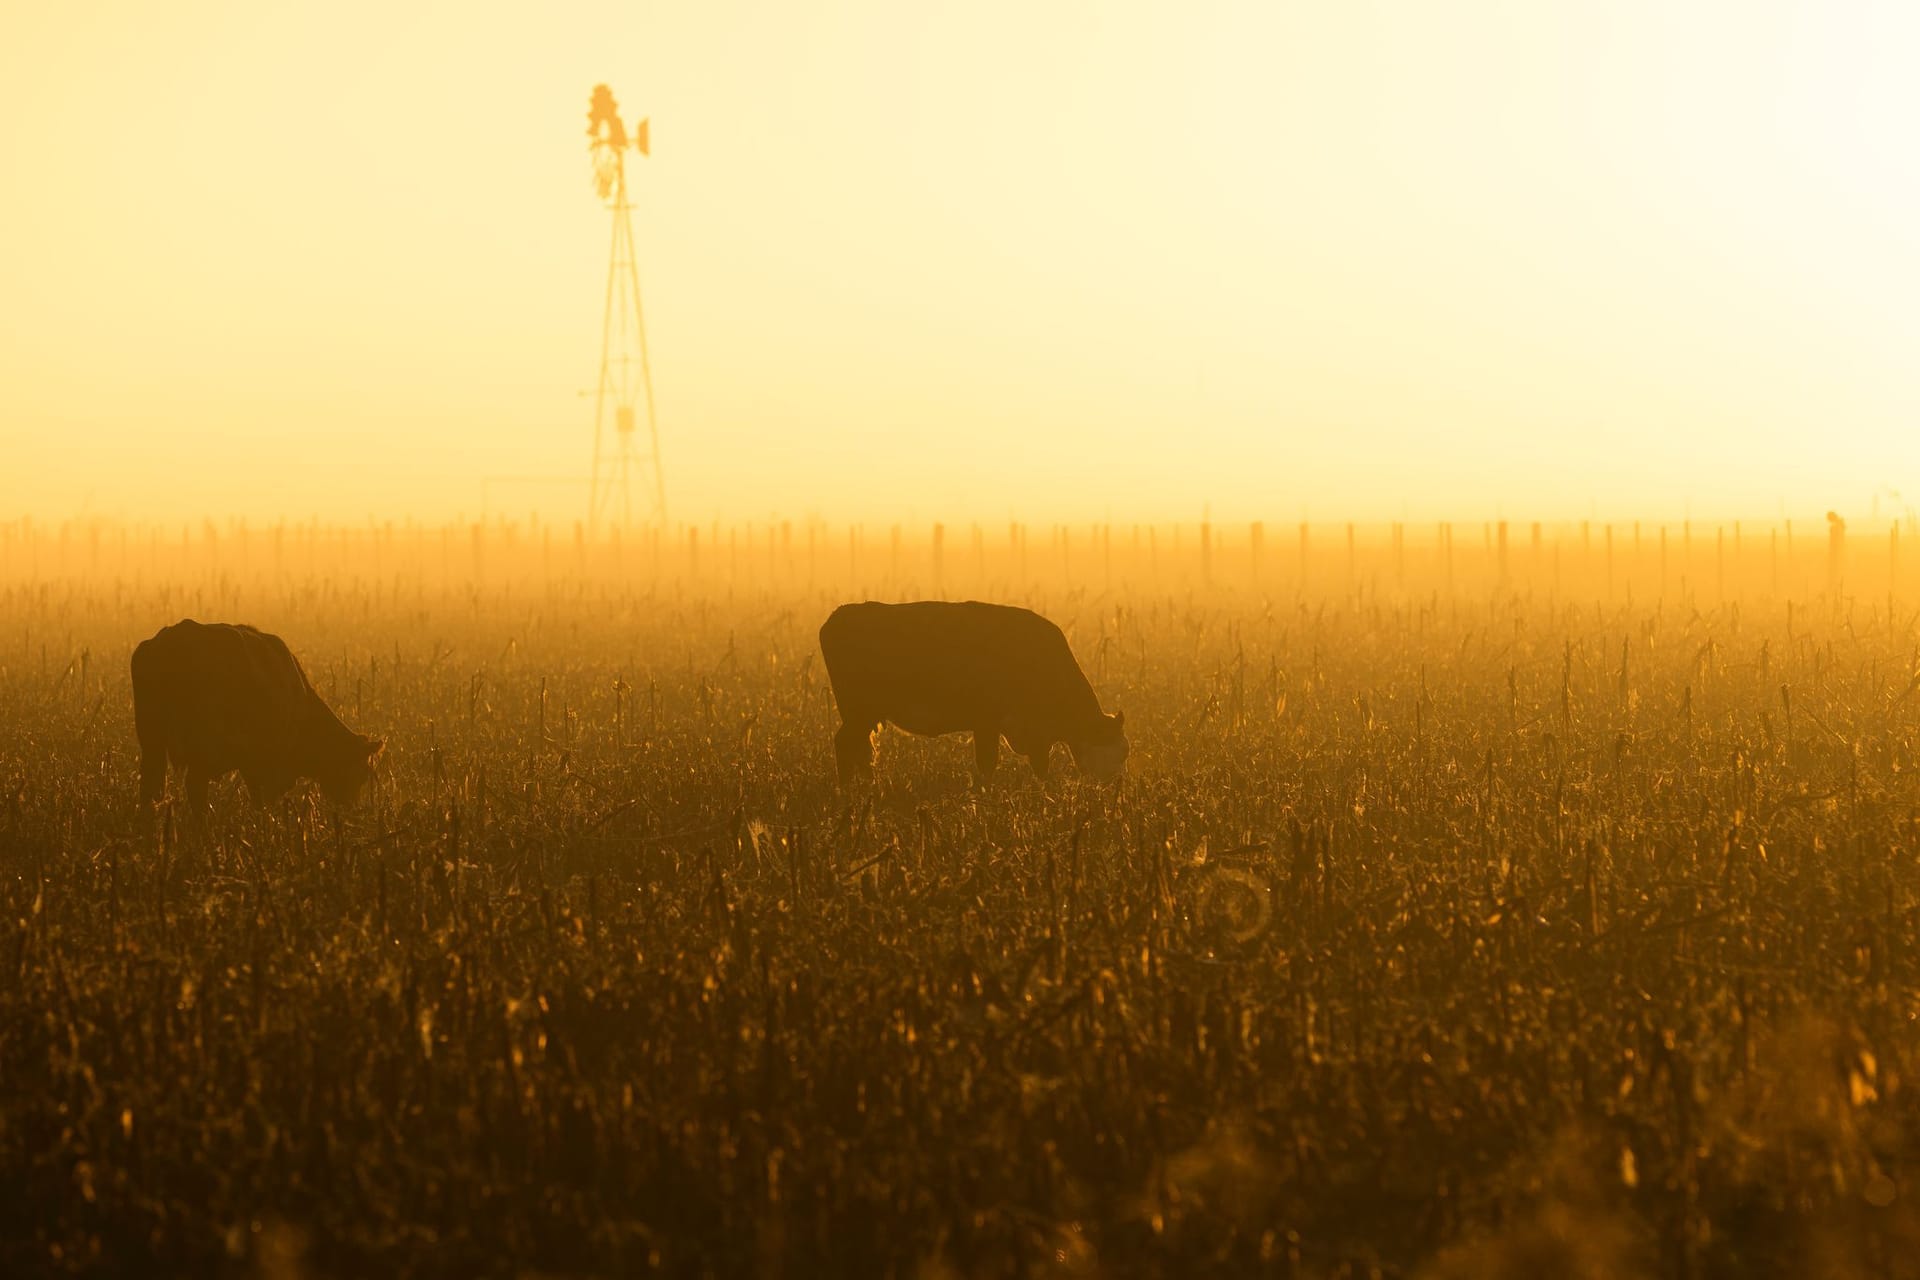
<point>1500,933</point>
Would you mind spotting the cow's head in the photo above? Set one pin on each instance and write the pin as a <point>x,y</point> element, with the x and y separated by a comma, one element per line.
<point>1103,753</point>
<point>348,774</point>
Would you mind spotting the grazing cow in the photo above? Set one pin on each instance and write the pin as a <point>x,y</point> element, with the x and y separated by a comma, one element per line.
<point>216,697</point>
<point>934,667</point>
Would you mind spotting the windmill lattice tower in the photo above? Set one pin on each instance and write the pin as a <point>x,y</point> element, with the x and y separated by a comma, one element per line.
<point>626,377</point>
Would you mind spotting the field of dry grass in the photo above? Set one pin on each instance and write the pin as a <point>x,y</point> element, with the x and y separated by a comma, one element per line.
<point>1452,920</point>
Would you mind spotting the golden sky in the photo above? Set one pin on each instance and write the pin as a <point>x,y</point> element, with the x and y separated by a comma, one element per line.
<point>1063,260</point>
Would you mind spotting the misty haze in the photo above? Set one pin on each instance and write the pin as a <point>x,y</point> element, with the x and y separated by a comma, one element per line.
<point>837,640</point>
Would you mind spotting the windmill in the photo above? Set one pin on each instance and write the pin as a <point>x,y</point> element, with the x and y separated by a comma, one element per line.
<point>626,379</point>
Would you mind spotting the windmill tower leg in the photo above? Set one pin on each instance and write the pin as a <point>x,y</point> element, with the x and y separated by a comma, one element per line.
<point>596,501</point>
<point>646,385</point>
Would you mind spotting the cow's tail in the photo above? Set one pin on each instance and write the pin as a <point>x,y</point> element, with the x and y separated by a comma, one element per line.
<point>148,724</point>
<point>832,643</point>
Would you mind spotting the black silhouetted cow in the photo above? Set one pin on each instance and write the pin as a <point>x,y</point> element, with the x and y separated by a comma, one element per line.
<point>212,698</point>
<point>933,667</point>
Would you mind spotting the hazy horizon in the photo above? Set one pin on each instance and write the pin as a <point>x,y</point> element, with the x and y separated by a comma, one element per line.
<point>1079,263</point>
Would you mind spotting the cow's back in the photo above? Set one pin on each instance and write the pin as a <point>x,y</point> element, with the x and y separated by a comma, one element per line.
<point>936,666</point>
<point>219,691</point>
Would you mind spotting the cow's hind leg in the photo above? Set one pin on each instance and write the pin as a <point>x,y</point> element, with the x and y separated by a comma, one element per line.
<point>153,760</point>
<point>986,752</point>
<point>853,750</point>
<point>195,785</point>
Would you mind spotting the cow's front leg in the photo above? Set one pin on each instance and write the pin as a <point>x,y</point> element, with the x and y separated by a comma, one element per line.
<point>986,752</point>
<point>1037,754</point>
<point>265,785</point>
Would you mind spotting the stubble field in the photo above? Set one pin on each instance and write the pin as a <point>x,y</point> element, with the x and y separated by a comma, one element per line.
<point>1452,926</point>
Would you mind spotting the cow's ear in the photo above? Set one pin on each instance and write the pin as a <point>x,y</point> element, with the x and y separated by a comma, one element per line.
<point>374,747</point>
<point>1119,719</point>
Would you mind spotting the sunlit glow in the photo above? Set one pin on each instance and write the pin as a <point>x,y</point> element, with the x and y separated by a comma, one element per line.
<point>1364,260</point>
